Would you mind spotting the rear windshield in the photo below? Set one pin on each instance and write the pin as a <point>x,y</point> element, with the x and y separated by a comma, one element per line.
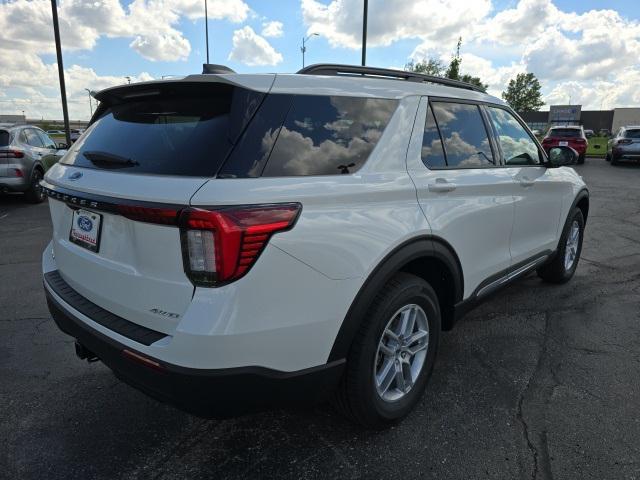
<point>565,132</point>
<point>4,138</point>
<point>632,133</point>
<point>185,133</point>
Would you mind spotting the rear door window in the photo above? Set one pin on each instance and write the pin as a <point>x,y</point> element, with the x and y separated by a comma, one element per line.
<point>432,151</point>
<point>326,135</point>
<point>188,131</point>
<point>464,135</point>
<point>48,143</point>
<point>33,138</point>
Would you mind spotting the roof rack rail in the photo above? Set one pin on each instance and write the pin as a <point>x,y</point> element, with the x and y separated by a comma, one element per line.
<point>333,69</point>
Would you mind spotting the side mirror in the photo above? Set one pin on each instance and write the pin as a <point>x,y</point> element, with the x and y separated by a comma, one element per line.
<point>560,156</point>
<point>61,146</point>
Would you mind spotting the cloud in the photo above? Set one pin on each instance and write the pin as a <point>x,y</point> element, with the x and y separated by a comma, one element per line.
<point>272,29</point>
<point>252,49</point>
<point>438,21</point>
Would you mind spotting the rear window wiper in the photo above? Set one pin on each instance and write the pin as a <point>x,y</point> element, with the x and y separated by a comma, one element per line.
<point>109,159</point>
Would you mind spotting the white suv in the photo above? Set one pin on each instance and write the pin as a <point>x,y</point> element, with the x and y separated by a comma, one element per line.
<point>228,242</point>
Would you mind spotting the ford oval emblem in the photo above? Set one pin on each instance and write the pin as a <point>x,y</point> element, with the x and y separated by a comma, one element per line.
<point>75,176</point>
<point>85,223</point>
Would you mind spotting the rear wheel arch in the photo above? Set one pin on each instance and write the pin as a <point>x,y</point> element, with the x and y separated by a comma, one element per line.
<point>582,202</point>
<point>430,258</point>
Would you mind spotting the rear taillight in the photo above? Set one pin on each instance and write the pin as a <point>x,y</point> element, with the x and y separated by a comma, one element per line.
<point>11,154</point>
<point>219,246</point>
<point>625,141</point>
<point>162,216</point>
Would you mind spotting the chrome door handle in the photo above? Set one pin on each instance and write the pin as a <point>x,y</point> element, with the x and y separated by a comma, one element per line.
<point>442,185</point>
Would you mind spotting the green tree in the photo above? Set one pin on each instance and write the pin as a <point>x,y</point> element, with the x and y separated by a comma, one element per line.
<point>523,93</point>
<point>436,68</point>
<point>428,67</point>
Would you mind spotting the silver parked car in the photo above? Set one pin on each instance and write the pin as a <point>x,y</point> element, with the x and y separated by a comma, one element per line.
<point>26,152</point>
<point>625,145</point>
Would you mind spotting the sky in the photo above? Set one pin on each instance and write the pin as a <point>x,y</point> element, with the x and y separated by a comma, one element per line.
<point>583,51</point>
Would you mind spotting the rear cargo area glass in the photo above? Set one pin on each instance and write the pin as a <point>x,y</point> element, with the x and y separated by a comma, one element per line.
<point>184,133</point>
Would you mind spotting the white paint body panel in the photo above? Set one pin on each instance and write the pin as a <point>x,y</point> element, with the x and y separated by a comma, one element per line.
<point>286,312</point>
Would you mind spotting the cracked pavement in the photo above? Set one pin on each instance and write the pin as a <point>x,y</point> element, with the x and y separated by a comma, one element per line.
<point>540,382</point>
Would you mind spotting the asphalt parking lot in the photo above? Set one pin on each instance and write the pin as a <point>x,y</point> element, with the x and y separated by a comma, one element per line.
<point>541,382</point>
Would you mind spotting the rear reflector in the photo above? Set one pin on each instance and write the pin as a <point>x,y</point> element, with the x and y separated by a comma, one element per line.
<point>220,246</point>
<point>142,360</point>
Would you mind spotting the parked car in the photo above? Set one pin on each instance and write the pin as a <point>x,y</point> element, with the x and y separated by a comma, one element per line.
<point>55,132</point>
<point>589,133</point>
<point>625,145</point>
<point>233,242</point>
<point>26,152</point>
<point>571,136</point>
<point>75,134</point>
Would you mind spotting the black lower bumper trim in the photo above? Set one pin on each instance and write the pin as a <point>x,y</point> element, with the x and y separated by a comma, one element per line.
<point>208,393</point>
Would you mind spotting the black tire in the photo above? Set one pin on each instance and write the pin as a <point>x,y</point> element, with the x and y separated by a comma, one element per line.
<point>607,157</point>
<point>555,271</point>
<point>614,161</point>
<point>357,396</point>
<point>581,159</point>
<point>35,193</point>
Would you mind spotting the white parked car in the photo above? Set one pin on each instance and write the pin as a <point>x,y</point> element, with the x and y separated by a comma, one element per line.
<point>228,242</point>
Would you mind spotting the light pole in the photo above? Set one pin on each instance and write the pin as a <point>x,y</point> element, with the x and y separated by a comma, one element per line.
<point>63,90</point>
<point>90,105</point>
<point>303,48</point>
<point>206,28</point>
<point>364,32</point>
<point>128,79</point>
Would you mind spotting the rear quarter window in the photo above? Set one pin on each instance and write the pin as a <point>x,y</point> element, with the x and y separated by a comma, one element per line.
<point>326,135</point>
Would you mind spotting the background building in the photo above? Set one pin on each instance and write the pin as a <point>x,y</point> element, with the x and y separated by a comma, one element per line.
<point>596,120</point>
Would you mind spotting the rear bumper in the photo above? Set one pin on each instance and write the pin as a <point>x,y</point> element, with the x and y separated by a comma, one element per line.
<point>208,393</point>
<point>14,184</point>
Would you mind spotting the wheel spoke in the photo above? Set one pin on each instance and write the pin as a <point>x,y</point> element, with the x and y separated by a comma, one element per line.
<point>400,382</point>
<point>386,376</point>
<point>386,350</point>
<point>416,337</point>
<point>391,334</point>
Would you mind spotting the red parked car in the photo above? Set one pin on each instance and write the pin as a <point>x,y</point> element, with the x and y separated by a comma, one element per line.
<point>573,137</point>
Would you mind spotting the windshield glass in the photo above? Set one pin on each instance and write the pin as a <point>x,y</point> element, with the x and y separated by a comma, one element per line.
<point>633,133</point>
<point>565,132</point>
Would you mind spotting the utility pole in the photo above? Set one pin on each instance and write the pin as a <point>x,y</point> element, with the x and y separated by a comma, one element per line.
<point>128,79</point>
<point>63,90</point>
<point>90,105</point>
<point>206,28</point>
<point>364,32</point>
<point>303,48</point>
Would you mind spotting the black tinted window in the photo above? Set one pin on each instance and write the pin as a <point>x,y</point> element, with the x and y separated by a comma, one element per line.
<point>464,135</point>
<point>185,132</point>
<point>432,151</point>
<point>326,135</point>
<point>518,148</point>
<point>564,132</point>
<point>33,138</point>
<point>632,134</point>
<point>4,138</point>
